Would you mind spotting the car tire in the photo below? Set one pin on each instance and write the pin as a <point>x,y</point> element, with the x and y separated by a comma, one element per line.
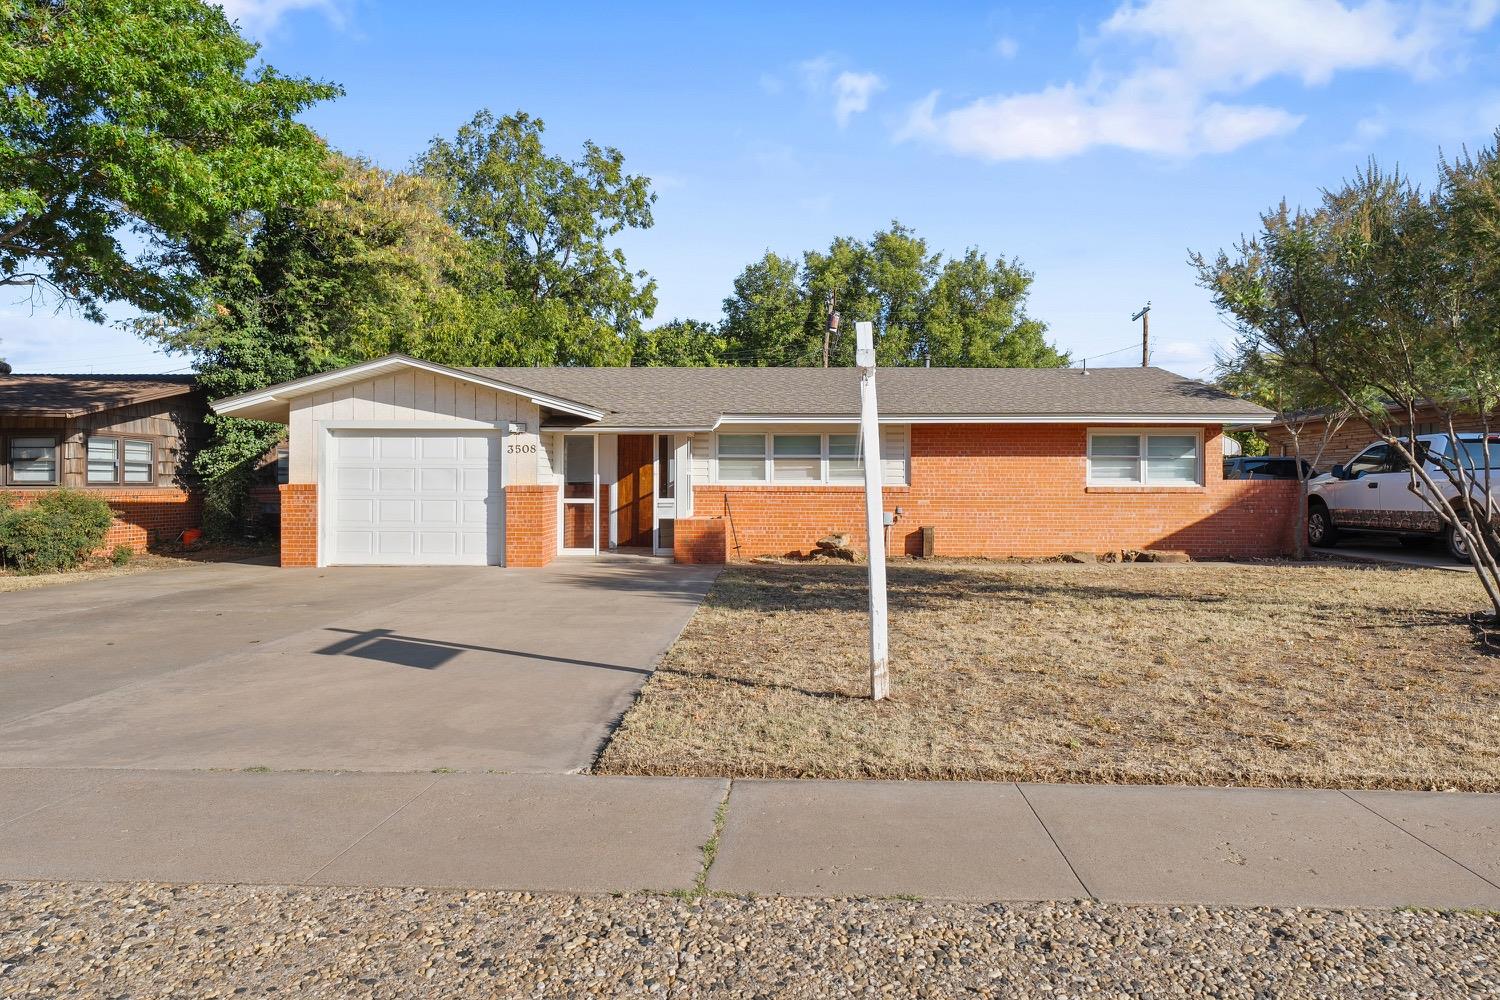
<point>1458,548</point>
<point>1321,532</point>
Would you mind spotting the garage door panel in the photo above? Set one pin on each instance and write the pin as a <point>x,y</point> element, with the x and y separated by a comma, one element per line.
<point>396,479</point>
<point>397,448</point>
<point>418,497</point>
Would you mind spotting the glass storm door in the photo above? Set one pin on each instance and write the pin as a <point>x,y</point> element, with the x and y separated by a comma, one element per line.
<point>580,512</point>
<point>666,493</point>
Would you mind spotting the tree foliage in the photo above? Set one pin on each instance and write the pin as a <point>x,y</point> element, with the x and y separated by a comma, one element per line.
<point>132,131</point>
<point>964,312</point>
<point>1386,299</point>
<point>541,229</point>
<point>681,343</point>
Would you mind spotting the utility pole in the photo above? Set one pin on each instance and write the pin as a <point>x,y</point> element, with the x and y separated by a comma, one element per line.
<point>832,327</point>
<point>869,449</point>
<point>1145,317</point>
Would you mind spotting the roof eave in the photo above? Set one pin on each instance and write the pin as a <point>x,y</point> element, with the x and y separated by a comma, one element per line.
<point>271,399</point>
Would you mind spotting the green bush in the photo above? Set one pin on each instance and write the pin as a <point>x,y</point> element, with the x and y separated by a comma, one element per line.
<point>56,532</point>
<point>121,555</point>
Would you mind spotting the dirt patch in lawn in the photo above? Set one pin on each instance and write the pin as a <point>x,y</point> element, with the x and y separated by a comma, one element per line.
<point>1248,674</point>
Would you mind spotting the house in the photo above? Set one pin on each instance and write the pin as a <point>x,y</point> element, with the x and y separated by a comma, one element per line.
<point>404,461</point>
<point>1353,436</point>
<point>130,439</point>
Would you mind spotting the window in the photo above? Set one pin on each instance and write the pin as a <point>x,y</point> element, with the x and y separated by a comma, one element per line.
<point>33,461</point>
<point>844,465</point>
<point>1139,458</point>
<point>1370,461</point>
<point>111,460</point>
<point>283,466</point>
<point>666,459</point>
<point>742,458</point>
<point>797,458</point>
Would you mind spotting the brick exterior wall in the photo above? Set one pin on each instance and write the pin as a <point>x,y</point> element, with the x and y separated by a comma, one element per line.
<point>1020,490</point>
<point>700,540</point>
<point>142,518</point>
<point>530,525</point>
<point>1355,435</point>
<point>299,524</point>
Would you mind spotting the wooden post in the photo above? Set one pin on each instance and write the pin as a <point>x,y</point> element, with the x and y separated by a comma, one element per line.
<point>869,446</point>
<point>1145,317</point>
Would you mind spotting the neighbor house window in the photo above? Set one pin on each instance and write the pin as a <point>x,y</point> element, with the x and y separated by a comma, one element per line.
<point>33,461</point>
<point>742,458</point>
<point>797,458</point>
<point>111,460</point>
<point>1145,458</point>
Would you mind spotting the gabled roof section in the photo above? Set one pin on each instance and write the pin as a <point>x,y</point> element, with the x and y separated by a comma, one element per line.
<point>705,398</point>
<point>273,402</point>
<point>58,395</point>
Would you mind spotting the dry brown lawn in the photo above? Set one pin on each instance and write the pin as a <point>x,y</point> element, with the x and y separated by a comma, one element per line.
<point>1316,674</point>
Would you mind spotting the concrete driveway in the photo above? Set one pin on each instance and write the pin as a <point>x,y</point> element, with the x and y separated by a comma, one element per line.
<point>382,669</point>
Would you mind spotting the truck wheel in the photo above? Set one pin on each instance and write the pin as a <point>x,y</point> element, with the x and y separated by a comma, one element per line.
<point>1320,530</point>
<point>1458,546</point>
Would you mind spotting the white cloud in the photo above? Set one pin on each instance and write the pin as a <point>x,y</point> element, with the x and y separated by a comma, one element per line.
<point>41,340</point>
<point>1006,47</point>
<point>1184,62</point>
<point>260,16</point>
<point>851,91</point>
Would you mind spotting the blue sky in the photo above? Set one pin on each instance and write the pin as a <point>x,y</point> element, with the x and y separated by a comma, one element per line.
<point>1096,142</point>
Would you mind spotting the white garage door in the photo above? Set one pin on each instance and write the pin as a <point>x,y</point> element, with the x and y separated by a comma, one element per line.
<point>415,498</point>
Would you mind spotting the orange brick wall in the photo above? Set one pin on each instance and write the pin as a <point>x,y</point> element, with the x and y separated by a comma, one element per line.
<point>1015,490</point>
<point>699,540</point>
<point>299,524</point>
<point>143,518</point>
<point>530,524</point>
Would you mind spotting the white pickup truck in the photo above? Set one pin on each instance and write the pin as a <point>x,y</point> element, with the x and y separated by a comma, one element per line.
<point>1373,492</point>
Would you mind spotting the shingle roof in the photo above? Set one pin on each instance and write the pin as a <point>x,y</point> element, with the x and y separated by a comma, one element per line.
<point>74,395</point>
<point>699,397</point>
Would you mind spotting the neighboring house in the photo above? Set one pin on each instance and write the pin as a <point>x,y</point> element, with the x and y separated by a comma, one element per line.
<point>405,461</point>
<point>1355,435</point>
<point>127,438</point>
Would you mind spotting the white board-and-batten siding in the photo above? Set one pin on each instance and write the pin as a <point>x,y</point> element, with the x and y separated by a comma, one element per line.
<point>414,396</point>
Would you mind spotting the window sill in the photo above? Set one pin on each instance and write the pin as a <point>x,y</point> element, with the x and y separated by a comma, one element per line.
<point>1145,488</point>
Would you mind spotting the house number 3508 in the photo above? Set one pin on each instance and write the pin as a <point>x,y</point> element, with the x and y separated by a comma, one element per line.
<point>520,449</point>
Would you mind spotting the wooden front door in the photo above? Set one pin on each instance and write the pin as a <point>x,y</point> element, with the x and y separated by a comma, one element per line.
<point>635,490</point>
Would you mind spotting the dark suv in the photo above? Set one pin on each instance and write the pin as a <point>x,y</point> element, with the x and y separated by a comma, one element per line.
<point>1264,467</point>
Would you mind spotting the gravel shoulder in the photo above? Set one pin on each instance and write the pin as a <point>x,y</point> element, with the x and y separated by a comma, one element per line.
<point>200,941</point>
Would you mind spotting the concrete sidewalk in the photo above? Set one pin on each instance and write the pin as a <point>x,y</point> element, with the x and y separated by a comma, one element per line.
<point>573,833</point>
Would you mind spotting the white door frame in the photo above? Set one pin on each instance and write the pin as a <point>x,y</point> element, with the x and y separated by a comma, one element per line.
<point>323,435</point>
<point>561,523</point>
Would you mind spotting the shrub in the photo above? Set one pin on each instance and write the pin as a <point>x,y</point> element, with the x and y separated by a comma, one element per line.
<point>56,532</point>
<point>121,555</point>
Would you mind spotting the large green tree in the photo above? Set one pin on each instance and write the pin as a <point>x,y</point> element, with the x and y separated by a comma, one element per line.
<point>685,343</point>
<point>556,287</point>
<point>373,267</point>
<point>964,312</point>
<point>131,133</point>
<point>1388,300</point>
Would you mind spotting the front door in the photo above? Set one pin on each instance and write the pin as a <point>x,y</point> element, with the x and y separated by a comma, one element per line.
<point>635,491</point>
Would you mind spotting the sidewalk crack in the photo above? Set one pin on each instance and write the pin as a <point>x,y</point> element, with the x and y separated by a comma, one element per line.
<point>361,838</point>
<point>1060,852</point>
<point>1437,850</point>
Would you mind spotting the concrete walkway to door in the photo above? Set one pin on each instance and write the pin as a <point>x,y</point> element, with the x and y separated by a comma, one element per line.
<point>584,834</point>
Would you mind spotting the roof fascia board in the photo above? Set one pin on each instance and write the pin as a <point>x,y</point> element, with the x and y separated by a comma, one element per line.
<point>310,383</point>
<point>1010,418</point>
